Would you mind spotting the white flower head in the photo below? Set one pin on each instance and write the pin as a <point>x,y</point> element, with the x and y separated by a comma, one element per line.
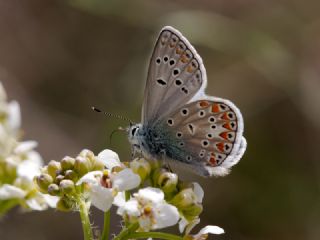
<point>149,208</point>
<point>105,185</point>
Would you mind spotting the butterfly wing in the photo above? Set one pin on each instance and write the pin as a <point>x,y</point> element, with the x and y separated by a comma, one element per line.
<point>208,135</point>
<point>176,74</point>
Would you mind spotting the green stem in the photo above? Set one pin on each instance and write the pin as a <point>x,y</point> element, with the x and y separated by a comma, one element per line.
<point>127,230</point>
<point>84,215</point>
<point>106,226</point>
<point>158,235</point>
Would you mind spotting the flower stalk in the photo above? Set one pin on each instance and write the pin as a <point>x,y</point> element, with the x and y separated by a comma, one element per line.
<point>106,226</point>
<point>85,221</point>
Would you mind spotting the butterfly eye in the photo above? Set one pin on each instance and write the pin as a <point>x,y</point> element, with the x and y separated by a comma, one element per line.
<point>133,131</point>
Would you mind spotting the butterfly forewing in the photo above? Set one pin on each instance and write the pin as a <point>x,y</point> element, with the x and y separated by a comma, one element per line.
<point>209,132</point>
<point>175,75</point>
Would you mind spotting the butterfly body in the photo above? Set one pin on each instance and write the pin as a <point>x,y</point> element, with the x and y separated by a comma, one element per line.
<point>180,123</point>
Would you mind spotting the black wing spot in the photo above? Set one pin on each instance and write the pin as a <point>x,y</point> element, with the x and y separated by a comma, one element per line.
<point>191,128</point>
<point>212,119</point>
<point>170,122</point>
<point>172,62</point>
<point>165,59</point>
<point>213,126</point>
<point>185,90</point>
<point>161,82</point>
<point>176,71</point>
<point>202,113</point>
<point>179,134</point>
<point>178,82</point>
<point>189,158</point>
<point>181,144</point>
<point>209,135</point>
<point>184,112</point>
<point>158,60</point>
<point>205,143</point>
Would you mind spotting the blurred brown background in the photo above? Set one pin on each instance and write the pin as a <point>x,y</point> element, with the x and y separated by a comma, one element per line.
<point>58,58</point>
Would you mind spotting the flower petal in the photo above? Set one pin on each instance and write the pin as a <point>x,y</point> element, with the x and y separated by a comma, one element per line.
<point>14,117</point>
<point>210,229</point>
<point>120,199</point>
<point>25,146</point>
<point>101,197</point>
<point>125,180</point>
<point>8,191</point>
<point>91,177</point>
<point>109,158</point>
<point>31,166</point>
<point>131,208</point>
<point>154,195</point>
<point>165,215</point>
<point>198,191</point>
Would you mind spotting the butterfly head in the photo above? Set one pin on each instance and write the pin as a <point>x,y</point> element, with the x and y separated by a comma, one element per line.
<point>133,132</point>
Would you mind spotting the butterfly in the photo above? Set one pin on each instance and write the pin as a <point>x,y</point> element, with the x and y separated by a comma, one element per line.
<point>180,123</point>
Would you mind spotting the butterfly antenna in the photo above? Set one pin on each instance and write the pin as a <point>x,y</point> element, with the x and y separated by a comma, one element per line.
<point>112,115</point>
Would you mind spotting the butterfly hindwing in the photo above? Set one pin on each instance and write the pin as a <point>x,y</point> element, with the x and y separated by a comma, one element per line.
<point>175,75</point>
<point>209,132</point>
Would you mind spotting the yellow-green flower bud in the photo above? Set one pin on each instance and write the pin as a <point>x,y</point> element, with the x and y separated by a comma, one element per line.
<point>43,181</point>
<point>192,211</point>
<point>59,178</point>
<point>67,163</point>
<point>184,199</point>
<point>98,165</point>
<point>64,205</point>
<point>53,168</point>
<point>53,189</point>
<point>168,182</point>
<point>141,167</point>
<point>82,166</point>
<point>71,175</point>
<point>87,154</point>
<point>67,186</point>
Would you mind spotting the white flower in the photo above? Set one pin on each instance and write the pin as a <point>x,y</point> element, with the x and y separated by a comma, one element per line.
<point>105,185</point>
<point>8,191</point>
<point>203,233</point>
<point>149,208</point>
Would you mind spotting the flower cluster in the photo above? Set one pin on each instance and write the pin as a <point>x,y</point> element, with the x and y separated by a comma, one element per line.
<point>19,163</point>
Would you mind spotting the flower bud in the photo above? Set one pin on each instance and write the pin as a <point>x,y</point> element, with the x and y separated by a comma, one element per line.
<point>98,165</point>
<point>184,199</point>
<point>64,205</point>
<point>67,186</point>
<point>192,211</point>
<point>43,181</point>
<point>141,167</point>
<point>67,163</point>
<point>53,189</point>
<point>59,178</point>
<point>53,168</point>
<point>82,166</point>
<point>85,153</point>
<point>168,182</point>
<point>71,175</point>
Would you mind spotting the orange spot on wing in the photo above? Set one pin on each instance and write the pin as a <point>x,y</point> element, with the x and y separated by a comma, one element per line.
<point>178,51</point>
<point>220,146</point>
<point>227,126</point>
<point>212,161</point>
<point>224,135</point>
<point>225,116</point>
<point>215,108</point>
<point>189,69</point>
<point>203,104</point>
